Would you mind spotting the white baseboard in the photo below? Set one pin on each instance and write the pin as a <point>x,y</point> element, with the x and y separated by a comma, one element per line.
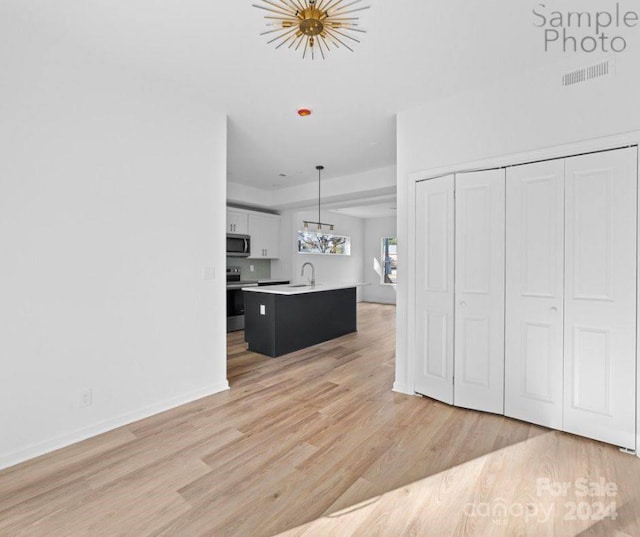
<point>402,388</point>
<point>64,440</point>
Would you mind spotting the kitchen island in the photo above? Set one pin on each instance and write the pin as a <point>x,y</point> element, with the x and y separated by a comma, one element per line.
<point>285,318</point>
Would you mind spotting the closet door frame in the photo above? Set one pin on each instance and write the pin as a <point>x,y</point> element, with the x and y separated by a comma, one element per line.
<point>406,328</point>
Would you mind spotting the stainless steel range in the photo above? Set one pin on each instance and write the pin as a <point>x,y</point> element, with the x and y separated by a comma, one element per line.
<point>235,298</point>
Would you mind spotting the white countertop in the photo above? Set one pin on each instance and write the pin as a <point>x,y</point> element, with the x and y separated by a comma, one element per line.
<point>288,290</point>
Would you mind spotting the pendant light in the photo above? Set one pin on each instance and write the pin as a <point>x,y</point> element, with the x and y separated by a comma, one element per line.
<point>318,224</point>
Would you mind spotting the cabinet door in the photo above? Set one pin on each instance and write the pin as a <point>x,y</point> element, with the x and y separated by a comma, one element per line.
<point>479,290</point>
<point>434,288</point>
<point>265,235</point>
<point>237,222</point>
<point>272,243</point>
<point>534,293</point>
<point>600,296</point>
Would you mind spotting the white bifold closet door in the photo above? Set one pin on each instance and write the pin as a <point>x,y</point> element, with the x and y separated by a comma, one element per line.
<point>535,293</point>
<point>600,296</point>
<point>479,290</point>
<point>434,288</point>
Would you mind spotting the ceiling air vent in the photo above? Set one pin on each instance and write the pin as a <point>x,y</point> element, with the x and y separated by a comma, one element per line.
<point>584,74</point>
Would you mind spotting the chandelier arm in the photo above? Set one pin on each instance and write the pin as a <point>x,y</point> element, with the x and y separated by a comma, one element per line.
<point>345,35</point>
<point>283,19</point>
<point>306,45</point>
<point>331,4</point>
<point>324,40</point>
<point>301,7</point>
<point>271,10</point>
<point>323,3</point>
<point>281,36</point>
<point>290,5</point>
<point>297,39</point>
<point>351,11</point>
<point>333,41</point>
<point>291,37</point>
<point>278,6</point>
<point>340,7</point>
<point>274,30</point>
<point>331,33</point>
<point>319,41</point>
<point>300,42</point>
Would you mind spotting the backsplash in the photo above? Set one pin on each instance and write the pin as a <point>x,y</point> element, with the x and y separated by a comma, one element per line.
<point>262,267</point>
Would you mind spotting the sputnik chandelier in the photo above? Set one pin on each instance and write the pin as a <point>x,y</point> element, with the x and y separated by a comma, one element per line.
<point>318,24</point>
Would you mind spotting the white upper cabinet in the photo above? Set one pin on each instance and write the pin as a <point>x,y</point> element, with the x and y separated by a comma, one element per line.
<point>600,296</point>
<point>535,293</point>
<point>237,222</point>
<point>434,288</point>
<point>264,230</point>
<point>479,291</point>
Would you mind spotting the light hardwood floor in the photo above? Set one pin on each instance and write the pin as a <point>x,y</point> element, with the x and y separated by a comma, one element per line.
<point>316,444</point>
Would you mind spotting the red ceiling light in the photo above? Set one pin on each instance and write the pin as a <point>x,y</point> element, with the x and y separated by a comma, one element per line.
<point>304,112</point>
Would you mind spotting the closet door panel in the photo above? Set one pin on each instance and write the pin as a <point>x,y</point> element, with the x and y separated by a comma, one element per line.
<point>600,296</point>
<point>479,291</point>
<point>534,293</point>
<point>434,288</point>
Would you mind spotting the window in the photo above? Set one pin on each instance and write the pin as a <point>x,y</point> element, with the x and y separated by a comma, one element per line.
<point>389,260</point>
<point>323,243</point>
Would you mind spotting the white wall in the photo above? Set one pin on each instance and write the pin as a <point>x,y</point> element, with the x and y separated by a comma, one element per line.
<point>329,268</point>
<point>375,229</point>
<point>521,114</point>
<point>112,200</point>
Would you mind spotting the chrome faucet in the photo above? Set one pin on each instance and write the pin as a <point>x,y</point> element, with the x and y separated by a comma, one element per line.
<point>313,273</point>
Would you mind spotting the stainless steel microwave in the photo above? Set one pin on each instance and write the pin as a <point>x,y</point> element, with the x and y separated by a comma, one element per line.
<point>238,245</point>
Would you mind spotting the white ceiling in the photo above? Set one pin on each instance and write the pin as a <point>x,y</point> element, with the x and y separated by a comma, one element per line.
<point>414,50</point>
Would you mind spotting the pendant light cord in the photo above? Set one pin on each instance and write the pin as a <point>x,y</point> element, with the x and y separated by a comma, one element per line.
<point>319,171</point>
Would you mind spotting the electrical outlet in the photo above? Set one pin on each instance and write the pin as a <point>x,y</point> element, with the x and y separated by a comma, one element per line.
<point>86,397</point>
<point>252,268</point>
<point>263,309</point>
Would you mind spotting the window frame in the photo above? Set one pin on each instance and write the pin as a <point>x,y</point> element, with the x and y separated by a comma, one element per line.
<point>383,254</point>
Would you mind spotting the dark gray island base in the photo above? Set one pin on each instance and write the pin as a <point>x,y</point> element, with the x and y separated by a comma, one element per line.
<point>294,321</point>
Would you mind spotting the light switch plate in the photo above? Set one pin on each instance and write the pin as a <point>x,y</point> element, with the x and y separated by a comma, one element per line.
<point>263,309</point>
<point>209,273</point>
